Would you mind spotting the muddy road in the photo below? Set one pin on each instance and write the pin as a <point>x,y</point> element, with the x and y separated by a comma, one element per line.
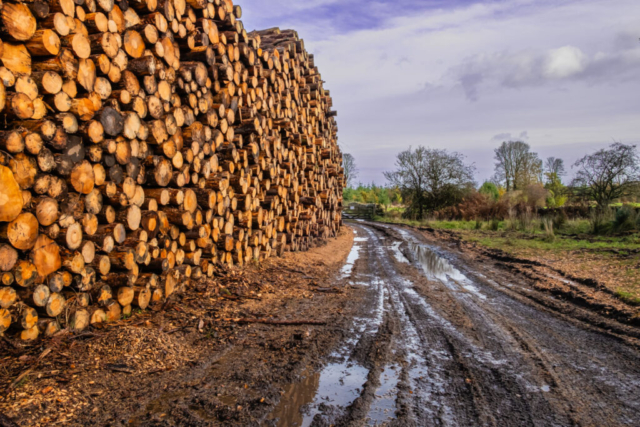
<point>404,328</point>
<point>444,339</point>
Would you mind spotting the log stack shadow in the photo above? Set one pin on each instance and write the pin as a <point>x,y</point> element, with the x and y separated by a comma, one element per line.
<point>144,142</point>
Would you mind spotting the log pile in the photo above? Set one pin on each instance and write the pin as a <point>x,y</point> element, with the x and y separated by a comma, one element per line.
<point>145,141</point>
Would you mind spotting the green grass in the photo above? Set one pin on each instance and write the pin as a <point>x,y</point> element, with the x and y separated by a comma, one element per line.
<point>630,204</point>
<point>572,236</point>
<point>610,256</point>
<point>543,243</point>
<point>628,297</point>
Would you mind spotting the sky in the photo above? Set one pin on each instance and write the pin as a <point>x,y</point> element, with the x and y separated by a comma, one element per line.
<point>464,75</point>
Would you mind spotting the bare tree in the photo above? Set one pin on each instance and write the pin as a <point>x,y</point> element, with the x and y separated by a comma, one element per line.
<point>555,165</point>
<point>350,169</point>
<point>516,165</point>
<point>608,174</point>
<point>431,179</point>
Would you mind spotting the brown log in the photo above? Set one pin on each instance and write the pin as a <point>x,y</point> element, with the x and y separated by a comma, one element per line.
<point>44,42</point>
<point>46,256</point>
<point>16,58</point>
<point>11,201</point>
<point>55,305</point>
<point>22,232</point>
<point>113,311</point>
<point>8,297</point>
<point>8,257</point>
<point>18,21</point>
<point>98,316</point>
<point>79,320</point>
<point>82,177</point>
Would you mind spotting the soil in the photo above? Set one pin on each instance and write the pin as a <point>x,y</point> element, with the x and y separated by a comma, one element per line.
<point>193,361</point>
<point>397,327</point>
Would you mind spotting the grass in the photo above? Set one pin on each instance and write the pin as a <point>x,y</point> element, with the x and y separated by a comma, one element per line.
<point>609,258</point>
<point>573,235</point>
<point>629,297</point>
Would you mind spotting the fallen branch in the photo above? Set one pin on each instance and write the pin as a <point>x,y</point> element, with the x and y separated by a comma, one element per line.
<point>328,290</point>
<point>278,322</point>
<point>20,377</point>
<point>119,368</point>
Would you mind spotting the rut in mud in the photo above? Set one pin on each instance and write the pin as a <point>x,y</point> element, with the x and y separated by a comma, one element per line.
<point>445,340</point>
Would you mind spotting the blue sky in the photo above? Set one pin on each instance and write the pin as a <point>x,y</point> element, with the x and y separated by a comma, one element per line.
<point>562,75</point>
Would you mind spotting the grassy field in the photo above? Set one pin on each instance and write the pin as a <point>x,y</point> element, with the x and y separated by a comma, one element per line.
<point>613,260</point>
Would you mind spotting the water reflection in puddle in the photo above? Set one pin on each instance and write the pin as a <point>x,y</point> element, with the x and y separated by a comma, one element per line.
<point>353,256</point>
<point>434,265</point>
<point>339,384</point>
<point>397,254</point>
<point>437,267</point>
<point>383,407</point>
<point>295,396</point>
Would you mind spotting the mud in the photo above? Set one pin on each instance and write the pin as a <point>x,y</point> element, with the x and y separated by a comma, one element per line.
<point>194,360</point>
<point>449,336</point>
<point>419,330</point>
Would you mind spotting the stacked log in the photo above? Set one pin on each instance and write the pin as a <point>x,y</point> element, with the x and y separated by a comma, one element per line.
<point>144,142</point>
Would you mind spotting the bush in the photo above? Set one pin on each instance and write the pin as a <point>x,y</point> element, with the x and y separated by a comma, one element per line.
<point>490,189</point>
<point>549,235</point>
<point>559,220</point>
<point>601,220</point>
<point>494,225</point>
<point>626,219</point>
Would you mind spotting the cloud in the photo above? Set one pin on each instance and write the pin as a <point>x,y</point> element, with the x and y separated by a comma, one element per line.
<point>564,62</point>
<point>507,136</point>
<point>551,67</point>
<point>449,74</point>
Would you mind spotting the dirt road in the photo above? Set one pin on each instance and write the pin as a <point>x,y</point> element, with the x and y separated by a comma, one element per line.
<point>416,328</point>
<point>445,339</point>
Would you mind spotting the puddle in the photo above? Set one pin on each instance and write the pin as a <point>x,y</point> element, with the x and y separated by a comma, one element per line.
<point>202,413</point>
<point>434,265</point>
<point>338,384</point>
<point>295,396</point>
<point>397,254</point>
<point>437,267</point>
<point>353,256</point>
<point>383,407</point>
<point>228,400</point>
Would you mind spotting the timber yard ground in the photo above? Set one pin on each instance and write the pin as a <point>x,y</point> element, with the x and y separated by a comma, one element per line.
<point>385,325</point>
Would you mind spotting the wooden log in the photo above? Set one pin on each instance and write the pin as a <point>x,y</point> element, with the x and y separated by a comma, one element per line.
<point>79,320</point>
<point>45,42</point>
<point>11,201</point>
<point>22,232</point>
<point>45,256</point>
<point>18,21</point>
<point>55,305</point>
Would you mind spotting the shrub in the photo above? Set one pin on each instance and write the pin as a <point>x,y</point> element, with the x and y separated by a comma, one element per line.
<point>625,219</point>
<point>549,235</point>
<point>489,189</point>
<point>559,220</point>
<point>601,220</point>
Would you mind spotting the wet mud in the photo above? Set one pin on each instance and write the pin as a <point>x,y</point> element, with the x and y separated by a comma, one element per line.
<point>411,329</point>
<point>445,337</point>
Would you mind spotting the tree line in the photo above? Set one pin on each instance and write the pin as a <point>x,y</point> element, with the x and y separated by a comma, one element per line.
<point>426,180</point>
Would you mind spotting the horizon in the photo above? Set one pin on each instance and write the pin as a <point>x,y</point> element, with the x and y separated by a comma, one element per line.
<point>446,75</point>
